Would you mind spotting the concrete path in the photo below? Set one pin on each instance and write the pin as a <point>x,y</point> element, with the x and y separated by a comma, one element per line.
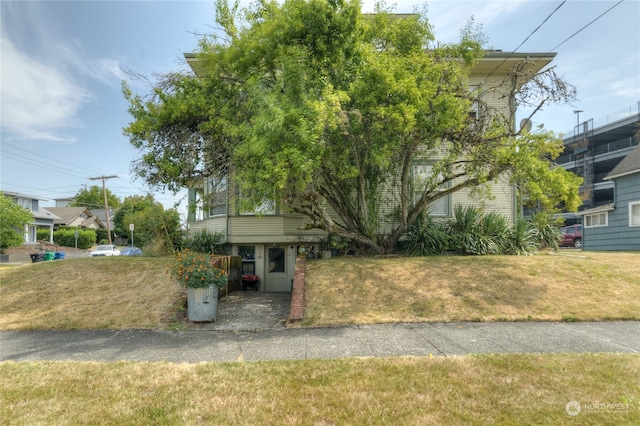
<point>382,340</point>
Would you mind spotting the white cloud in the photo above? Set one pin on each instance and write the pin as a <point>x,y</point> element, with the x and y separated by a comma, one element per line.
<point>38,101</point>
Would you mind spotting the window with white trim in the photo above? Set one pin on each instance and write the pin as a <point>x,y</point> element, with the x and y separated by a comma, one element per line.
<point>596,219</point>
<point>265,208</point>
<point>216,196</point>
<point>422,177</point>
<point>634,213</point>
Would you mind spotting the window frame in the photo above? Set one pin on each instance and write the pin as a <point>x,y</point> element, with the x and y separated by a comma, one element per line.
<point>587,217</point>
<point>267,208</point>
<point>446,200</point>
<point>633,204</point>
<point>219,187</point>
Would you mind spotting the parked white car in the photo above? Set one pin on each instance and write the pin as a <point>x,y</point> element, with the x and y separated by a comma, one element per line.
<point>105,250</point>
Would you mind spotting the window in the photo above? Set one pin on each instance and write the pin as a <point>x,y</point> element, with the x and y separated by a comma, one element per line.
<point>634,213</point>
<point>267,207</point>
<point>216,196</point>
<point>423,178</point>
<point>276,260</point>
<point>596,219</point>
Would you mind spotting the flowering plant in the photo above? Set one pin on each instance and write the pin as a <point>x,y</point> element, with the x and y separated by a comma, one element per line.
<point>196,270</point>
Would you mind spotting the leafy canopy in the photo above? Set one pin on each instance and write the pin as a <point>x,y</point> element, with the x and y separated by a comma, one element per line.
<point>326,110</point>
<point>93,198</point>
<point>13,219</point>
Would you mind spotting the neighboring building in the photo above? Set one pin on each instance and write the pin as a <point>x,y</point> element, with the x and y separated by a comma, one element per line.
<point>42,217</point>
<point>593,152</point>
<point>80,217</point>
<point>270,238</point>
<point>616,226</point>
<point>102,216</point>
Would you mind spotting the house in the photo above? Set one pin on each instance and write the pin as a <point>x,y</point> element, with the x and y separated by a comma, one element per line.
<point>102,216</point>
<point>42,217</point>
<point>616,225</point>
<point>80,217</point>
<point>270,238</point>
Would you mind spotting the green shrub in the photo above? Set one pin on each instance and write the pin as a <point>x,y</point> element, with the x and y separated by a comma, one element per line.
<point>101,235</point>
<point>496,228</point>
<point>548,230</point>
<point>468,234</point>
<point>203,241</point>
<point>425,238</point>
<point>42,234</point>
<point>523,238</point>
<point>471,232</point>
<point>67,237</point>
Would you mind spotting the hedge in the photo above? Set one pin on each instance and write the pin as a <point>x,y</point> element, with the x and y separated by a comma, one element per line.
<point>67,237</point>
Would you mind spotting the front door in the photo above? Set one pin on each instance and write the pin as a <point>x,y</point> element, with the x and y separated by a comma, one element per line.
<point>278,278</point>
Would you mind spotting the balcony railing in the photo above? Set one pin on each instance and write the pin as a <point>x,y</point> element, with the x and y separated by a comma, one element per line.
<point>603,121</point>
<point>628,142</point>
<point>620,144</point>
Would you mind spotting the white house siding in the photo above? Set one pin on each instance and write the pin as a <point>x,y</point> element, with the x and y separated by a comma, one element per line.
<point>214,225</point>
<point>500,200</point>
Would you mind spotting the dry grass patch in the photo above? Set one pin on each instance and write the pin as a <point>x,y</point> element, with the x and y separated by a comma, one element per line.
<point>90,293</point>
<point>487,389</point>
<point>549,287</point>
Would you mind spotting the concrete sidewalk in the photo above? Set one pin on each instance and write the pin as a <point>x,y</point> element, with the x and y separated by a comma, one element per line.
<point>381,340</point>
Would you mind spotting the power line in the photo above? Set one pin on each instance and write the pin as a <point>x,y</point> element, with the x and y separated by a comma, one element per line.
<point>45,166</point>
<point>580,30</point>
<point>43,156</point>
<point>541,24</point>
<point>525,40</point>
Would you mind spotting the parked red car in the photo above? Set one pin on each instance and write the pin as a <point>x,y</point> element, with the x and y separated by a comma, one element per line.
<point>571,236</point>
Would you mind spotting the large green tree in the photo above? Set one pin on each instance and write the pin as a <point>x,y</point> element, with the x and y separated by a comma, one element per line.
<point>13,219</point>
<point>312,104</point>
<point>93,198</point>
<point>131,204</point>
<point>156,229</point>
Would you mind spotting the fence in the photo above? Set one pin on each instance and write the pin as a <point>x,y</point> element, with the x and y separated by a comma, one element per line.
<point>232,265</point>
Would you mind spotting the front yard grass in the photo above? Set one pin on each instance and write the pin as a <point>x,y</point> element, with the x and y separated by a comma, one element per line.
<point>563,286</point>
<point>486,389</point>
<point>132,292</point>
<point>88,293</point>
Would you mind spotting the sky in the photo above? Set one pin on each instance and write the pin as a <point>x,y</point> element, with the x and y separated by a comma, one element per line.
<point>62,64</point>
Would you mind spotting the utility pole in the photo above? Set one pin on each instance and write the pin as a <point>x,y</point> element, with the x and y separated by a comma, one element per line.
<point>106,204</point>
